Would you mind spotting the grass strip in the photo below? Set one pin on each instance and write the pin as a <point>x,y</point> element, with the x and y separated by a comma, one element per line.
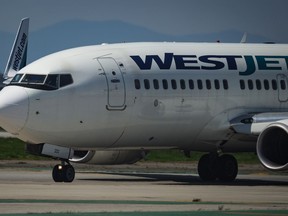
<point>130,202</point>
<point>14,149</point>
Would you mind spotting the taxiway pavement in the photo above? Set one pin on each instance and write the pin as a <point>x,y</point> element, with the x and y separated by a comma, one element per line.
<point>30,189</point>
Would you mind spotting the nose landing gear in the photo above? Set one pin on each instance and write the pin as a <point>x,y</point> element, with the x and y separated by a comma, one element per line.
<point>63,172</point>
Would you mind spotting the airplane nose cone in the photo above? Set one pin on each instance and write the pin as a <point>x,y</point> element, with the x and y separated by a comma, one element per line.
<point>14,105</point>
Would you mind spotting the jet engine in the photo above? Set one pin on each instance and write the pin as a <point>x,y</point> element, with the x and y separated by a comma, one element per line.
<point>272,147</point>
<point>108,157</point>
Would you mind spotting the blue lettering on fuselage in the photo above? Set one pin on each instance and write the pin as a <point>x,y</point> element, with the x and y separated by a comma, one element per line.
<point>213,62</point>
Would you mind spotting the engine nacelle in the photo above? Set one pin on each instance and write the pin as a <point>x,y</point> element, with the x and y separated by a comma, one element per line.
<point>272,147</point>
<point>108,157</point>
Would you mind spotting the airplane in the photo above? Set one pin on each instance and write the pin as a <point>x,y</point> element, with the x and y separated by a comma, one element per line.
<point>113,103</point>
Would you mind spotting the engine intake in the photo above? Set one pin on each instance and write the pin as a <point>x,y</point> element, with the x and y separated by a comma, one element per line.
<point>272,147</point>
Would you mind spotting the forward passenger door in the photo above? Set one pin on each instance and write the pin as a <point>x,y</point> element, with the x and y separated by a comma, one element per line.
<point>116,97</point>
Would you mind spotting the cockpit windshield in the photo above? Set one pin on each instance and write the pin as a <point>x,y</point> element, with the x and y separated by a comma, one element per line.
<point>17,78</point>
<point>33,79</point>
<point>44,82</point>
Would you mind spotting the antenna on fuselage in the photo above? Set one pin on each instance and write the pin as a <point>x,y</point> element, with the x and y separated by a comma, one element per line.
<point>244,38</point>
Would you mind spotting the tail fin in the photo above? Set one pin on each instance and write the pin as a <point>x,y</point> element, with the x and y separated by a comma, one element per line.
<point>18,55</point>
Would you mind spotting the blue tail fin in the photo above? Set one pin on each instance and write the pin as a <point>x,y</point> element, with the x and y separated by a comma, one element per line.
<point>18,54</point>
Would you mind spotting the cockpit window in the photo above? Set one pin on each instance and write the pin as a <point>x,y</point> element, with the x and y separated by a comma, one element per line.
<point>43,82</point>
<point>65,79</point>
<point>33,79</point>
<point>52,81</point>
<point>16,78</point>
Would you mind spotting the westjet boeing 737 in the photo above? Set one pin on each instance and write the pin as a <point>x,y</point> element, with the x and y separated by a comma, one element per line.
<point>111,104</point>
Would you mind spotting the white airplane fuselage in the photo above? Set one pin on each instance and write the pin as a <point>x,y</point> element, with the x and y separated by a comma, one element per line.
<point>148,95</point>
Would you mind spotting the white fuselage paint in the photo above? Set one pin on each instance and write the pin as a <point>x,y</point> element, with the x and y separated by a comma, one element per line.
<point>102,108</point>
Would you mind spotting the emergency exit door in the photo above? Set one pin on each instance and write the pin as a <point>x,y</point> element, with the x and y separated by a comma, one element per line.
<point>282,87</point>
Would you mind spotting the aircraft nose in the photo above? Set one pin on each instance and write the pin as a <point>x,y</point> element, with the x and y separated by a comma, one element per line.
<point>14,105</point>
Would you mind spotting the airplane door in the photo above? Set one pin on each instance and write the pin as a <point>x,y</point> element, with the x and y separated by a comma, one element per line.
<point>282,87</point>
<point>116,96</point>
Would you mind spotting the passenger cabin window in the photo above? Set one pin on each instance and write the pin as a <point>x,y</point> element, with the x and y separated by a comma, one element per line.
<point>274,84</point>
<point>182,84</point>
<point>225,84</point>
<point>217,84</point>
<point>174,84</point>
<point>258,84</point>
<point>200,84</point>
<point>282,84</point>
<point>191,84</point>
<point>242,84</point>
<point>250,84</point>
<point>208,84</point>
<point>165,84</point>
<point>137,84</point>
<point>266,84</point>
<point>146,84</point>
<point>156,84</point>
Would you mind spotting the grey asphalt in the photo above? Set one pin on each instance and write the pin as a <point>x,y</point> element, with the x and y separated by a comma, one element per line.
<point>31,190</point>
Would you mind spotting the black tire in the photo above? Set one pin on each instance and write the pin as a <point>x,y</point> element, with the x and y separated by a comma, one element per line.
<point>227,168</point>
<point>207,168</point>
<point>57,173</point>
<point>68,173</point>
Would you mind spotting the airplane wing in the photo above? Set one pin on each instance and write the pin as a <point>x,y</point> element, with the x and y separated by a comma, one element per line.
<point>254,124</point>
<point>18,54</point>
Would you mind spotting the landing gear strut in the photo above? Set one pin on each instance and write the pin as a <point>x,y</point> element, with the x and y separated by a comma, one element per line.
<point>212,167</point>
<point>63,172</point>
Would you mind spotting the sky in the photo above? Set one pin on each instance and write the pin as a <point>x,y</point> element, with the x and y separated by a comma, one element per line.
<point>267,18</point>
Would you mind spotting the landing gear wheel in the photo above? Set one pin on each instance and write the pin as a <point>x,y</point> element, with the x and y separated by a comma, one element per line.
<point>68,173</point>
<point>227,168</point>
<point>212,167</point>
<point>57,173</point>
<point>207,168</point>
<point>63,173</point>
